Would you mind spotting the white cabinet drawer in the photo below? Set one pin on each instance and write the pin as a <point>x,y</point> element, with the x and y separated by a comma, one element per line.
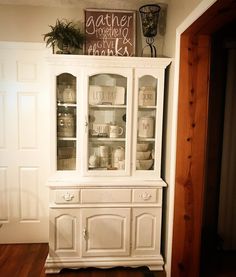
<point>66,196</point>
<point>105,196</point>
<point>147,196</point>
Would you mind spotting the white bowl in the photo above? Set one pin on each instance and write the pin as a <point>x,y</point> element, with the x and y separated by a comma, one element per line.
<point>143,155</point>
<point>144,164</point>
<point>142,147</point>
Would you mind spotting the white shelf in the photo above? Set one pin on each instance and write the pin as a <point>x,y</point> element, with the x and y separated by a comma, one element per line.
<point>107,139</point>
<point>147,107</point>
<point>107,106</point>
<point>146,139</point>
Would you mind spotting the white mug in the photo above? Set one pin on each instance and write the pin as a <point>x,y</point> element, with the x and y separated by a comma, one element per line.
<point>115,131</point>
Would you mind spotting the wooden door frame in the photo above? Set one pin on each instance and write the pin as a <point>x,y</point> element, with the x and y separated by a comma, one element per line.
<point>192,127</point>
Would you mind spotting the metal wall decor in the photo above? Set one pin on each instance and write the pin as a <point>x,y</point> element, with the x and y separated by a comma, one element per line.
<point>149,15</point>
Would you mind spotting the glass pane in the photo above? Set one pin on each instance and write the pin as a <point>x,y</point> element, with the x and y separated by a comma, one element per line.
<point>66,122</point>
<point>146,122</point>
<point>66,89</point>
<point>66,155</point>
<point>107,122</point>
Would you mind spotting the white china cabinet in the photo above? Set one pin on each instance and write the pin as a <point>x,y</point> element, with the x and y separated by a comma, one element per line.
<point>106,186</point>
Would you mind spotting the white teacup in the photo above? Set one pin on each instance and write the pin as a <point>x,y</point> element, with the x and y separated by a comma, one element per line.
<point>115,131</point>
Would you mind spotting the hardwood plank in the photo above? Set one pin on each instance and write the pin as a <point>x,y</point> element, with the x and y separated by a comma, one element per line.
<point>27,260</point>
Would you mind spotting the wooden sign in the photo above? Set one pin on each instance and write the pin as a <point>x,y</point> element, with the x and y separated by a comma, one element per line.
<point>110,32</point>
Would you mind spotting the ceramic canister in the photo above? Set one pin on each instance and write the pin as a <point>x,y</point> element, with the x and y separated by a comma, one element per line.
<point>118,155</point>
<point>68,95</point>
<point>146,127</point>
<point>147,96</point>
<point>65,124</point>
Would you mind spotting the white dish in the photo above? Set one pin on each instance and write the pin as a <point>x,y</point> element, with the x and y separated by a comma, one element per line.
<point>144,164</point>
<point>142,147</point>
<point>143,155</point>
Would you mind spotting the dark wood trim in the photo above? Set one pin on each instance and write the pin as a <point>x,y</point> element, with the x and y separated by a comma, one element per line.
<point>191,148</point>
<point>192,130</point>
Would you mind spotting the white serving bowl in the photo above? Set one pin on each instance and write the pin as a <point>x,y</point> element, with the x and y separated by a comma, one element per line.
<point>144,164</point>
<point>143,155</point>
<point>142,147</point>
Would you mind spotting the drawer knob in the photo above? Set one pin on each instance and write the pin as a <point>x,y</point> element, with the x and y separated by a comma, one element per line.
<point>68,196</point>
<point>145,196</point>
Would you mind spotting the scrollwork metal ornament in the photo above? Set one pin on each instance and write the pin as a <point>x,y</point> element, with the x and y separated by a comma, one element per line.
<point>149,15</point>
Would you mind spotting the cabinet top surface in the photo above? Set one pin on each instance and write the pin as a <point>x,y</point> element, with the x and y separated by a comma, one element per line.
<point>106,182</point>
<point>85,60</point>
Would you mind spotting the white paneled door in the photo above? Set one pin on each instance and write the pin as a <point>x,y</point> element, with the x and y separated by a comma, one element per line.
<point>24,143</point>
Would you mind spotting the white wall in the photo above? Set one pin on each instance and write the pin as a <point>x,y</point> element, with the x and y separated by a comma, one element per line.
<point>27,23</point>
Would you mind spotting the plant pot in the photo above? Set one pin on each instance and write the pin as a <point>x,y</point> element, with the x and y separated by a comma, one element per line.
<point>60,48</point>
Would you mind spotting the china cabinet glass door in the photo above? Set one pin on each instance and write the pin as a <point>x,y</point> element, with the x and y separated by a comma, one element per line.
<point>148,130</point>
<point>66,121</point>
<point>107,136</point>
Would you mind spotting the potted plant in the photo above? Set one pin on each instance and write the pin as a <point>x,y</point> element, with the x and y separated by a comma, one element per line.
<point>66,36</point>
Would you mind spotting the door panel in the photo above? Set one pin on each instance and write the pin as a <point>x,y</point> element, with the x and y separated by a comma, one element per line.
<point>146,231</point>
<point>106,232</point>
<point>64,232</point>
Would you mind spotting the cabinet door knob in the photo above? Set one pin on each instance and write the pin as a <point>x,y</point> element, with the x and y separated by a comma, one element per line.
<point>85,233</point>
<point>86,123</point>
<point>68,196</point>
<point>145,196</point>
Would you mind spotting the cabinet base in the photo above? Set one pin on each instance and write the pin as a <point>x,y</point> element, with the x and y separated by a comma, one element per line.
<point>55,265</point>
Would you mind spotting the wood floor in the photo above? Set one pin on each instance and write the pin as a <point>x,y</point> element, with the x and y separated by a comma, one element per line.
<point>27,260</point>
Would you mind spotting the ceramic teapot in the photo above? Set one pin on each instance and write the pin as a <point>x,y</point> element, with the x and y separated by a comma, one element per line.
<point>118,155</point>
